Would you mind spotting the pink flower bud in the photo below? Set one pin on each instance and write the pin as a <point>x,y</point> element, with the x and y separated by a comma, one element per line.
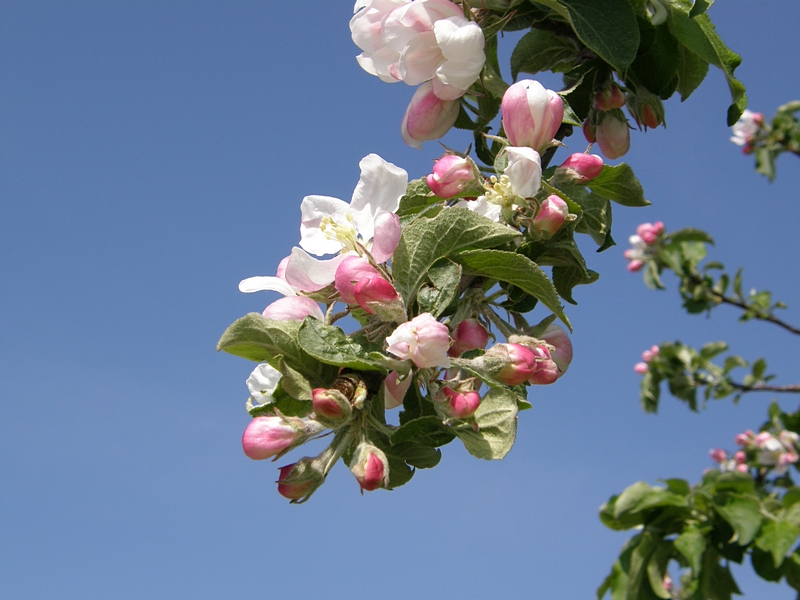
<point>423,340</point>
<point>609,97</point>
<point>331,407</point>
<point>394,390</point>
<point>370,467</point>
<point>517,363</point>
<point>613,135</point>
<point>718,455</point>
<point>266,437</point>
<point>654,350</point>
<point>358,282</point>
<point>469,335</point>
<point>293,308</point>
<point>531,114</point>
<point>742,468</point>
<point>635,265</point>
<point>649,117</point>
<point>427,116</point>
<point>744,439</point>
<point>451,176</point>
<point>641,368</point>
<point>649,232</point>
<point>546,371</point>
<point>762,439</point>
<point>646,109</point>
<point>558,338</point>
<point>299,480</point>
<point>551,216</point>
<point>740,457</point>
<point>582,166</point>
<point>461,405</point>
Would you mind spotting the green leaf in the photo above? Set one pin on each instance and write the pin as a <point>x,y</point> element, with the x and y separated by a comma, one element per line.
<point>700,6</point>
<point>657,68</point>
<point>428,431</point>
<point>426,241</point>
<point>596,214</point>
<point>496,419</point>
<point>418,197</point>
<point>517,270</point>
<point>618,183</point>
<point>690,234</point>
<point>329,344</point>
<point>293,383</point>
<point>566,278</point>
<point>417,455</point>
<point>657,568</point>
<point>608,27</point>
<point>262,340</point>
<point>691,544</point>
<point>445,275</point>
<point>743,515</point>
<point>540,50</point>
<point>777,537</point>
<point>699,36</point>
<point>692,70</point>
<point>792,570</point>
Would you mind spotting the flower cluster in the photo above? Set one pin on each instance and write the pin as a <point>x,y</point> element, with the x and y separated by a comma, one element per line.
<point>427,42</point>
<point>763,451</point>
<point>646,237</point>
<point>648,355</point>
<point>747,129</point>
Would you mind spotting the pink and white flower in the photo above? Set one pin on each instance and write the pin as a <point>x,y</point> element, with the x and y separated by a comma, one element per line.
<point>262,383</point>
<point>461,405</point>
<point>427,117</point>
<point>293,308</point>
<point>746,128</point>
<point>370,467</point>
<point>582,166</point>
<point>531,114</point>
<point>358,282</point>
<point>451,175</point>
<point>423,340</point>
<point>551,216</point>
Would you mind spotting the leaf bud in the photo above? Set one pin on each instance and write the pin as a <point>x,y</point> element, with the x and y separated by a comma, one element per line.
<point>370,467</point>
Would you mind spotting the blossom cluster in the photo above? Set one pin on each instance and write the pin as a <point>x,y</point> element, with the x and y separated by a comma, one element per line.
<point>763,450</point>
<point>643,242</point>
<point>429,43</point>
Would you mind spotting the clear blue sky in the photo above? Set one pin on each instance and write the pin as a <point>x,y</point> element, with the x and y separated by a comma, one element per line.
<point>152,155</point>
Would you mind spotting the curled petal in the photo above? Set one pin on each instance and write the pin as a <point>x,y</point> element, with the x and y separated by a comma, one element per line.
<point>309,274</point>
<point>420,59</point>
<point>386,237</point>
<point>293,308</point>
<point>266,284</point>
<point>379,189</point>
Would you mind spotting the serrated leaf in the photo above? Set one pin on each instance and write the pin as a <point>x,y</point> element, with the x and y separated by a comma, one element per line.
<point>262,340</point>
<point>692,70</point>
<point>428,431</point>
<point>445,277</point>
<point>540,50</point>
<point>426,241</point>
<point>496,419</point>
<point>566,278</point>
<point>517,270</point>
<point>743,515</point>
<point>329,344</point>
<point>608,27</point>
<point>618,183</point>
<point>691,543</point>
<point>777,538</point>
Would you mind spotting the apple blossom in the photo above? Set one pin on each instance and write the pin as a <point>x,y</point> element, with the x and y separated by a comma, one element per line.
<point>745,439</point>
<point>718,455</point>
<point>461,405</point>
<point>524,170</point>
<point>546,371</point>
<point>581,166</point>
<point>266,437</point>
<point>366,28</point>
<point>299,480</point>
<point>358,282</point>
<point>649,355</point>
<point>293,308</point>
<point>427,117</point>
<point>482,207</point>
<point>531,114</point>
<point>613,135</point>
<point>331,407</point>
<point>641,368</point>
<point>551,216</point>
<point>451,175</point>
<point>370,467</point>
<point>469,335</point>
<point>562,346</point>
<point>649,232</point>
<point>394,389</point>
<point>746,128</point>
<point>263,382</point>
<point>638,254</point>
<point>275,284</point>
<point>423,340</point>
<point>609,97</point>
<point>516,363</point>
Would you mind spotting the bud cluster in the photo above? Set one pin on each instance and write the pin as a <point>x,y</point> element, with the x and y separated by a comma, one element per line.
<point>643,243</point>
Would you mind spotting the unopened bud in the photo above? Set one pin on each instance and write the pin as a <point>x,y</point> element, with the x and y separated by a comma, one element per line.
<point>512,364</point>
<point>266,437</point>
<point>394,390</point>
<point>589,131</point>
<point>546,371</point>
<point>740,457</point>
<point>461,405</point>
<point>370,467</point>
<point>531,114</point>
<point>581,166</point>
<point>744,439</point>
<point>299,480</point>
<point>469,335</point>
<point>358,282</point>
<point>551,216</point>
<point>650,232</point>
<point>451,176</point>
<point>646,109</point>
<point>718,455</point>
<point>331,407</point>
<point>613,135</point>
<point>641,368</point>
<point>427,116</point>
<point>562,346</point>
<point>609,97</point>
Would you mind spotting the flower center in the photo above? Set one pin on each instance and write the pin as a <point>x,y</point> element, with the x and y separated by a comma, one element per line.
<point>500,192</point>
<point>346,234</point>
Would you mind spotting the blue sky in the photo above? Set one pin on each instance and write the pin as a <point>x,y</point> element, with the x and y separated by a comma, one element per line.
<point>154,154</point>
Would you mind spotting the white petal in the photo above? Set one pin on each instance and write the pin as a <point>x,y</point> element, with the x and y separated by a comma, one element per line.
<point>481,207</point>
<point>524,170</point>
<point>379,189</point>
<point>266,284</point>
<point>263,382</point>
<point>387,229</point>
<point>309,274</point>
<point>313,210</point>
<point>420,59</point>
